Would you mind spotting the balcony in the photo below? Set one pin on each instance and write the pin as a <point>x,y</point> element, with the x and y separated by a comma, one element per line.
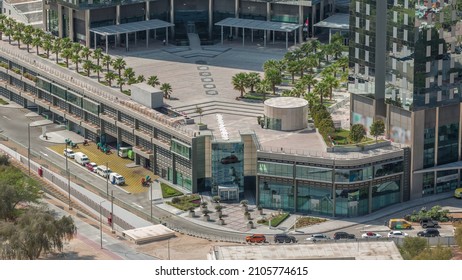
<point>73,118</point>
<point>125,126</point>
<point>107,118</point>
<point>90,126</point>
<point>58,111</point>
<point>143,134</point>
<point>163,144</point>
<point>143,152</point>
<point>42,103</point>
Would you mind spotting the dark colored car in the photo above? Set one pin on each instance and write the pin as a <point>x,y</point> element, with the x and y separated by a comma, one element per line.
<point>343,235</point>
<point>280,238</point>
<point>426,222</point>
<point>429,232</point>
<point>229,159</point>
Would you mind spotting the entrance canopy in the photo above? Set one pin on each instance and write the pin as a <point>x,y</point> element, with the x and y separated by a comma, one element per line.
<point>131,27</point>
<point>258,25</point>
<point>338,22</point>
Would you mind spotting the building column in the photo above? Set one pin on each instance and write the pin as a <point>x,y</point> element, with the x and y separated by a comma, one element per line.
<point>172,17</point>
<point>71,24</point>
<point>87,29</point>
<point>210,18</point>
<point>148,10</point>
<point>268,17</point>
<point>301,20</point>
<point>60,21</point>
<point>236,13</point>
<point>117,42</point>
<point>45,17</point>
<point>321,10</point>
<point>313,19</point>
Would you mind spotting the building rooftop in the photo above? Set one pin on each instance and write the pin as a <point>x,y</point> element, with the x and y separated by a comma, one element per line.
<point>286,102</point>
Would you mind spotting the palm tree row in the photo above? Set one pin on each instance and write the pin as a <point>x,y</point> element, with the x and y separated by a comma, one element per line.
<point>91,61</point>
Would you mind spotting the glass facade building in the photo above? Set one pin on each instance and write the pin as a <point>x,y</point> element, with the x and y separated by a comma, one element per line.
<point>227,166</point>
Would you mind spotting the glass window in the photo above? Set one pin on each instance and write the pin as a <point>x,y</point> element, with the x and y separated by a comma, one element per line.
<point>90,106</point>
<point>276,194</point>
<point>353,175</point>
<point>385,194</point>
<point>43,84</point>
<point>180,149</point>
<point>448,143</point>
<point>385,169</point>
<point>74,98</point>
<point>351,202</point>
<point>314,173</point>
<point>227,165</point>
<point>58,91</point>
<point>314,200</point>
<point>276,169</point>
<point>429,147</point>
<point>428,183</point>
<point>446,180</point>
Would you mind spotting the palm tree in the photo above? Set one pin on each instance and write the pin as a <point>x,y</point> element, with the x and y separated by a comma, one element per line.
<point>298,90</point>
<point>274,77</point>
<point>321,89</point>
<point>292,66</point>
<point>67,54</point>
<point>312,61</point>
<point>17,36</point>
<point>37,42</point>
<point>76,47</point>
<point>129,73</point>
<point>2,28</point>
<point>275,64</point>
<point>107,61</point>
<point>119,64</point>
<point>88,65</point>
<point>140,79</point>
<point>86,52</point>
<point>315,45</point>
<point>153,81</point>
<point>66,43</point>
<point>9,32</point>
<point>98,54</point>
<point>331,82</point>
<point>76,59</point>
<point>97,69</point>
<point>327,50</point>
<point>309,81</point>
<point>239,82</point>
<point>56,48</point>
<point>120,82</point>
<point>166,88</point>
<point>27,39</point>
<point>47,46</point>
<point>252,79</point>
<point>263,87</point>
<point>343,62</point>
<point>109,77</point>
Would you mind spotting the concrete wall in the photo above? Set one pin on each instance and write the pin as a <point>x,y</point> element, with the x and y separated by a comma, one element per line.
<point>147,95</point>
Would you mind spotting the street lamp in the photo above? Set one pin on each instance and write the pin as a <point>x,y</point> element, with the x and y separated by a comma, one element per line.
<point>68,178</point>
<point>150,201</point>
<point>112,211</point>
<point>28,146</point>
<point>101,224</point>
<point>107,179</point>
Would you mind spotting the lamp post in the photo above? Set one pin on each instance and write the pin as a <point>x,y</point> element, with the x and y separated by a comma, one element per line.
<point>28,146</point>
<point>112,211</point>
<point>150,201</point>
<point>68,180</point>
<point>101,224</point>
<point>107,179</point>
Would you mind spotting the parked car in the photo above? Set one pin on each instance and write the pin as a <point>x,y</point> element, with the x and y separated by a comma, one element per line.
<point>371,234</point>
<point>280,238</point>
<point>103,171</point>
<point>255,238</point>
<point>397,234</point>
<point>68,153</point>
<point>429,232</point>
<point>116,179</point>
<point>427,222</point>
<point>399,224</point>
<point>317,237</point>
<point>229,159</point>
<point>91,166</point>
<point>343,235</point>
<point>81,158</point>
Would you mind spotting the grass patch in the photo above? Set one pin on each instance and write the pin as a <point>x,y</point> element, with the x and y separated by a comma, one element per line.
<point>127,92</point>
<point>168,191</point>
<point>186,201</point>
<point>340,138</point>
<point>275,221</point>
<point>3,102</point>
<point>308,221</point>
<point>62,64</point>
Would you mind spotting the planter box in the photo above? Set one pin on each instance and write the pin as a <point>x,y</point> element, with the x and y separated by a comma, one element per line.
<point>201,126</point>
<point>192,214</point>
<point>206,218</point>
<point>249,226</point>
<point>220,222</point>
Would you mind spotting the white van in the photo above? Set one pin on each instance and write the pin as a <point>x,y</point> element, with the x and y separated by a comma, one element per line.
<point>123,151</point>
<point>116,179</point>
<point>81,158</point>
<point>101,170</point>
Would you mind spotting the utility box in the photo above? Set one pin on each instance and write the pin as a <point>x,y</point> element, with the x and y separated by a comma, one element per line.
<point>147,95</point>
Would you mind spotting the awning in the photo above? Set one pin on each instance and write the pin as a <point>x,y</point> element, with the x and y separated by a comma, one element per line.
<point>131,27</point>
<point>258,24</point>
<point>448,166</point>
<point>336,21</point>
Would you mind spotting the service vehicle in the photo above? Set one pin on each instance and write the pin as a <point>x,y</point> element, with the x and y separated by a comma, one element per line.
<point>123,151</point>
<point>116,179</point>
<point>68,153</point>
<point>81,158</point>
<point>103,171</point>
<point>458,193</point>
<point>399,224</point>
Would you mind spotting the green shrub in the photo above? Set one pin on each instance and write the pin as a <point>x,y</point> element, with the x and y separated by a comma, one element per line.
<point>168,191</point>
<point>187,202</point>
<point>176,200</point>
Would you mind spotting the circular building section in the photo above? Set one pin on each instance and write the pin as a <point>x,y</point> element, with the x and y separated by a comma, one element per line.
<point>286,113</point>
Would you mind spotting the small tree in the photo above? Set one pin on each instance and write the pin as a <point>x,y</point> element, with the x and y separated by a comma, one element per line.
<point>357,133</point>
<point>204,204</point>
<point>216,199</point>
<point>199,111</point>
<point>244,203</point>
<point>218,208</point>
<point>412,247</point>
<point>377,128</point>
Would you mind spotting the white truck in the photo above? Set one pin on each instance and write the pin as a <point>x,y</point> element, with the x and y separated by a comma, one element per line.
<point>123,151</point>
<point>116,179</point>
<point>103,171</point>
<point>81,158</point>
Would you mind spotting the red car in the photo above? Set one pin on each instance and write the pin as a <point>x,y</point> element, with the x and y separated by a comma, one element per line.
<point>91,166</point>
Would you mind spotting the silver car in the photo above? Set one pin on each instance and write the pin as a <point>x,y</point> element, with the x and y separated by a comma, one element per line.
<point>317,237</point>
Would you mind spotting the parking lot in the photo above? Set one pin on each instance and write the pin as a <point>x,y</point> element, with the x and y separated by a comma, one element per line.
<point>117,164</point>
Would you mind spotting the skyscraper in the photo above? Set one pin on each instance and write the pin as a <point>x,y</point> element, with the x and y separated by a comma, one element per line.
<point>405,60</point>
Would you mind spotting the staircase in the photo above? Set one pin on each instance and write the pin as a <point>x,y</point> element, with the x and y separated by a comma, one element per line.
<point>28,12</point>
<point>223,107</point>
<point>194,41</point>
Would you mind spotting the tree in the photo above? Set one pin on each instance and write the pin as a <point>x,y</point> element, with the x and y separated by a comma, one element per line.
<point>343,62</point>
<point>292,66</point>
<point>86,52</point>
<point>239,82</point>
<point>140,79</point>
<point>35,232</point>
<point>273,64</point>
<point>120,82</point>
<point>88,66</point>
<point>129,73</point>
<point>321,89</point>
<point>67,54</point>
<point>119,64</point>
<point>27,39</point>
<point>252,79</point>
<point>357,133</point>
<point>56,49</point>
<point>274,76</point>
<point>98,55</point>
<point>47,46</point>
<point>263,87</point>
<point>17,36</point>
<point>106,60</point>
<point>309,81</point>
<point>199,111</point>
<point>331,83</point>
<point>76,59</point>
<point>98,69</point>
<point>326,126</point>
<point>37,42</point>
<point>412,246</point>
<point>166,88</point>
<point>109,77</point>
<point>153,81</point>
<point>377,128</point>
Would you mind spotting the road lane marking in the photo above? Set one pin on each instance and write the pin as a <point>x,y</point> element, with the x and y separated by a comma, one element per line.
<point>7,118</point>
<point>137,205</point>
<point>43,153</point>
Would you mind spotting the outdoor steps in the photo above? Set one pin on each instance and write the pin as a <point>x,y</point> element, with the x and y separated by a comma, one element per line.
<point>213,107</point>
<point>194,41</point>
